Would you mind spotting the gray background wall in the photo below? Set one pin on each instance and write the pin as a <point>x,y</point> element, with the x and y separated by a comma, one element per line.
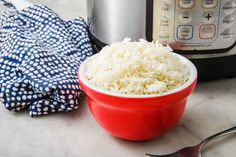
<point>67,9</point>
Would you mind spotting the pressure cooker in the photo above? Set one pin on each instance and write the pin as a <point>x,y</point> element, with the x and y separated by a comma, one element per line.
<point>202,30</point>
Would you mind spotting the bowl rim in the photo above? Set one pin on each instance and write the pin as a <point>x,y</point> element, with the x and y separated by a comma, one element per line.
<point>184,60</point>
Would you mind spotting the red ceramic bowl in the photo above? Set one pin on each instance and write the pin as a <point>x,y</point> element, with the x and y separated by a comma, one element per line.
<point>137,117</point>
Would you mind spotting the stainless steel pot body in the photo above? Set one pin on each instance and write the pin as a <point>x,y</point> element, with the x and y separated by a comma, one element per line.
<point>195,28</point>
<point>113,20</point>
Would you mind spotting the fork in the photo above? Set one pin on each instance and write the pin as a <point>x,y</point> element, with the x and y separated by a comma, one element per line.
<point>195,151</point>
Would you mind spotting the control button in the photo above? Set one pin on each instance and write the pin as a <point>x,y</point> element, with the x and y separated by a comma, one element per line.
<point>185,18</point>
<point>185,32</point>
<point>207,31</point>
<point>227,34</point>
<point>186,4</point>
<point>229,7</point>
<point>208,17</point>
<point>228,21</point>
<point>209,3</point>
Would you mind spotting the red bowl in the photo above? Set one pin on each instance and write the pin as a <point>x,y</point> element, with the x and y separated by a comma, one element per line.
<point>137,117</point>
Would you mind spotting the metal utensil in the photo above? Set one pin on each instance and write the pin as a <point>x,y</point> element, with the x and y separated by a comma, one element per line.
<point>195,151</point>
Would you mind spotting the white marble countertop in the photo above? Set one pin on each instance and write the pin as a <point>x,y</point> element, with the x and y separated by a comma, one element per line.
<point>210,109</point>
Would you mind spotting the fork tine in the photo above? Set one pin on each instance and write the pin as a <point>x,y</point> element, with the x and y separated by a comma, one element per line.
<point>152,155</point>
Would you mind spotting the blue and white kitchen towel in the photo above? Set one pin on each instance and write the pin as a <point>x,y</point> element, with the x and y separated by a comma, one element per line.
<point>39,59</point>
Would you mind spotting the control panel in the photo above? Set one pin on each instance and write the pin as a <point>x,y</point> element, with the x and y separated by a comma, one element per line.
<point>195,24</point>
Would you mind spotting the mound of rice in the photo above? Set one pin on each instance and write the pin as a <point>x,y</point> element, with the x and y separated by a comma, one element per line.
<point>137,68</point>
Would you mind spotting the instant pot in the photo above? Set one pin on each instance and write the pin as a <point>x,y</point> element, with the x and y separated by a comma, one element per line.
<point>202,30</point>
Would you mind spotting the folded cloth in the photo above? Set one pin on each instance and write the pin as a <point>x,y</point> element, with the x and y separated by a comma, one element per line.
<point>39,59</point>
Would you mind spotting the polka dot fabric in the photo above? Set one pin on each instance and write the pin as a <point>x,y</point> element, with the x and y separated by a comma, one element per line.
<point>39,59</point>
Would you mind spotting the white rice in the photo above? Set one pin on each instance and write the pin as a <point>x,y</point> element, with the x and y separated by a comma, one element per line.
<point>137,68</point>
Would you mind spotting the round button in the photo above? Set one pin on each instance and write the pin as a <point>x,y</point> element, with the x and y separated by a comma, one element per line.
<point>207,31</point>
<point>185,32</point>
<point>209,3</point>
<point>208,17</point>
<point>186,4</point>
<point>229,7</point>
<point>228,21</point>
<point>185,18</point>
<point>227,34</point>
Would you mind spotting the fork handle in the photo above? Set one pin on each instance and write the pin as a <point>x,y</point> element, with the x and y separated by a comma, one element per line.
<point>218,135</point>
